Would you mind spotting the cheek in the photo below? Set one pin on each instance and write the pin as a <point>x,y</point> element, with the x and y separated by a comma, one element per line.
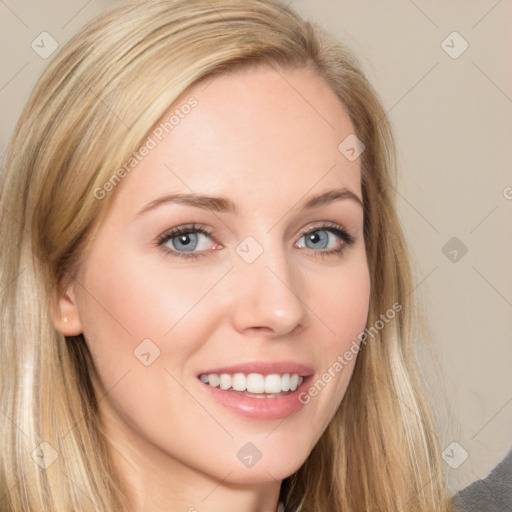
<point>342,304</point>
<point>134,319</point>
<point>129,299</point>
<point>136,312</point>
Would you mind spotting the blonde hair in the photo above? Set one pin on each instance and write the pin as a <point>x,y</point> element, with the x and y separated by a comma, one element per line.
<point>90,110</point>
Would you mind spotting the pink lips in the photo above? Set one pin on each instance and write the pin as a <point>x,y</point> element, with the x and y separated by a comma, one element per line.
<point>265,368</point>
<point>260,408</point>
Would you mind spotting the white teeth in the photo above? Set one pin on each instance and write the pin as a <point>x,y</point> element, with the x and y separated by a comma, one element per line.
<point>213,380</point>
<point>254,382</point>
<point>239,382</point>
<point>225,381</point>
<point>294,382</point>
<point>273,383</point>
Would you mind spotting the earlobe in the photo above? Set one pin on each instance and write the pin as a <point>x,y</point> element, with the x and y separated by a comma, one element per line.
<point>64,313</point>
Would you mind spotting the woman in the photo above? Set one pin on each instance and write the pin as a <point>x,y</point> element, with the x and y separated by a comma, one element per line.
<point>209,305</point>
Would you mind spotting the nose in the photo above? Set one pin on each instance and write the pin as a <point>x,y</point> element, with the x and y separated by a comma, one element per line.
<point>269,296</point>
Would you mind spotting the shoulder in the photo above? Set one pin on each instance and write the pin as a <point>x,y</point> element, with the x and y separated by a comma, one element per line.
<point>492,494</point>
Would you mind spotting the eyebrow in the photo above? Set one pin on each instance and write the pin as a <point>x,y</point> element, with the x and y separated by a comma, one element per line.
<point>223,204</point>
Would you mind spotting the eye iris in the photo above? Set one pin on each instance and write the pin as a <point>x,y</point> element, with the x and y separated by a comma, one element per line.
<point>185,239</point>
<point>315,237</point>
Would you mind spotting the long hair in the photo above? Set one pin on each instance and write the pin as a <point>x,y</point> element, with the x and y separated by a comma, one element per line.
<point>93,106</point>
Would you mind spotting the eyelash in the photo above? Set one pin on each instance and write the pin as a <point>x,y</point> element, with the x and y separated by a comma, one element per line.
<point>337,230</point>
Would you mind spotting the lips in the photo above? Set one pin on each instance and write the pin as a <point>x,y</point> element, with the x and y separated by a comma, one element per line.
<point>262,367</point>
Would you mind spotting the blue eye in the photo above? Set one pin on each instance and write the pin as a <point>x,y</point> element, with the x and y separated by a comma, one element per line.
<point>187,241</point>
<point>183,241</point>
<point>320,237</point>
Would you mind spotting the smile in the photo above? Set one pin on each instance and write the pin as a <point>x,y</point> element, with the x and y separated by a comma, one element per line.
<point>264,386</point>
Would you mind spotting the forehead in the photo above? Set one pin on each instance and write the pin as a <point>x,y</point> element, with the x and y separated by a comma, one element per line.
<point>252,134</point>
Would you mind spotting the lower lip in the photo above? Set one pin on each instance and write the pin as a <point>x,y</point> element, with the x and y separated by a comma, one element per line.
<point>259,408</point>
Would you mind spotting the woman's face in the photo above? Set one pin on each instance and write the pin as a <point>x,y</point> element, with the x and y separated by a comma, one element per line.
<point>268,288</point>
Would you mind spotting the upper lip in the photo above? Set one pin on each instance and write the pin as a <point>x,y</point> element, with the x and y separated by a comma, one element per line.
<point>263,367</point>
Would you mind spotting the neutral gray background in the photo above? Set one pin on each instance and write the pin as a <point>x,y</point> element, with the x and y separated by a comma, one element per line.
<point>452,118</point>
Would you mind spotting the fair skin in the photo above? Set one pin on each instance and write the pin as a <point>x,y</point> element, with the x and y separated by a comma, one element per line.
<point>268,143</point>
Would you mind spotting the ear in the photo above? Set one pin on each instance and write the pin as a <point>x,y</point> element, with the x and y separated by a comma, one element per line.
<point>64,312</point>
